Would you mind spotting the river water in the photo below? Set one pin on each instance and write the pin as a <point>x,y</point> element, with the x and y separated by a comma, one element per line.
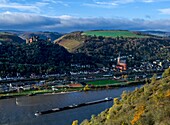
<point>20,111</point>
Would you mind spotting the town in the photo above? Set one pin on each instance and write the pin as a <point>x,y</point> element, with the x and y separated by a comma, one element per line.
<point>119,73</point>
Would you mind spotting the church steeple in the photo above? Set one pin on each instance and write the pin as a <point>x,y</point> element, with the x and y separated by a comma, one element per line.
<point>118,59</point>
<point>121,63</point>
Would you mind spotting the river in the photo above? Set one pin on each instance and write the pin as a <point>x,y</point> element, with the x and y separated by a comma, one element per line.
<point>20,111</point>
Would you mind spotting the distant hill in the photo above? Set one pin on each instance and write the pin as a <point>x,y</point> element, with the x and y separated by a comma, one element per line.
<point>158,33</point>
<point>12,31</point>
<point>148,105</point>
<point>42,35</point>
<point>9,37</point>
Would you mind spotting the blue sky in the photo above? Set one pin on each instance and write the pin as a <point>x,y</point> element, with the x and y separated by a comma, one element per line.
<point>71,15</point>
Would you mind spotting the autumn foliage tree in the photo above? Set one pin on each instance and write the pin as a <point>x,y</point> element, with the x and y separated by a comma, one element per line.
<point>75,122</point>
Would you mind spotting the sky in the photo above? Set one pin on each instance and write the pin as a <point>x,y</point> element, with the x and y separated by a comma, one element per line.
<point>78,15</point>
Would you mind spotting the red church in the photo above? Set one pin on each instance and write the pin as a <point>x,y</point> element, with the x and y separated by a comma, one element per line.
<point>121,64</point>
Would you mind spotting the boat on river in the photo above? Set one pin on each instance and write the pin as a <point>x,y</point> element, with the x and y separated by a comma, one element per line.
<point>73,106</point>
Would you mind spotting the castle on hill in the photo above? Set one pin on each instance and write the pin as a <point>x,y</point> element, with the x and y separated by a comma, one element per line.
<point>36,39</point>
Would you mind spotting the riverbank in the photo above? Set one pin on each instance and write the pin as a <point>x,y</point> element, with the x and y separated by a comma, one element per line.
<point>33,93</point>
<point>67,90</point>
<point>24,108</point>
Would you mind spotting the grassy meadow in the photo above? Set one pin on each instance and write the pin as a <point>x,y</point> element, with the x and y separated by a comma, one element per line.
<point>103,82</point>
<point>113,34</point>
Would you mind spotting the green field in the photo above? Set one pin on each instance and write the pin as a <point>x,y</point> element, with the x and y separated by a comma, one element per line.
<point>24,93</point>
<point>103,82</point>
<point>113,34</point>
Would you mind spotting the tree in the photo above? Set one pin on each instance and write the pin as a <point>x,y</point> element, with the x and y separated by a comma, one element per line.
<point>166,73</point>
<point>153,79</point>
<point>75,122</point>
<point>116,101</point>
<point>86,88</point>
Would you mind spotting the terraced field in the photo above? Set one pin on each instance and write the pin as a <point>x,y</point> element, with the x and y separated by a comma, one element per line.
<point>70,45</point>
<point>113,34</point>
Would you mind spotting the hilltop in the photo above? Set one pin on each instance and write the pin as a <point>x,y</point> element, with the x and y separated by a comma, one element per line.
<point>10,37</point>
<point>76,40</point>
<point>158,33</point>
<point>115,33</point>
<point>148,105</point>
<point>133,45</point>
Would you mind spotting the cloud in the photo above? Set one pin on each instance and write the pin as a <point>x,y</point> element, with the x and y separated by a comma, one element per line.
<point>6,4</point>
<point>107,3</point>
<point>35,7</point>
<point>102,4</point>
<point>148,1</point>
<point>113,3</point>
<point>99,5</point>
<point>165,11</point>
<point>3,1</point>
<point>24,21</point>
<point>124,1</point>
<point>144,1</point>
<point>66,23</point>
<point>56,2</point>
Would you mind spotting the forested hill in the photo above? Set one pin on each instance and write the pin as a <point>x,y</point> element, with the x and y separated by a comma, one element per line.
<point>35,53</point>
<point>9,37</point>
<point>108,47</point>
<point>75,40</point>
<point>148,105</point>
<point>38,57</point>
